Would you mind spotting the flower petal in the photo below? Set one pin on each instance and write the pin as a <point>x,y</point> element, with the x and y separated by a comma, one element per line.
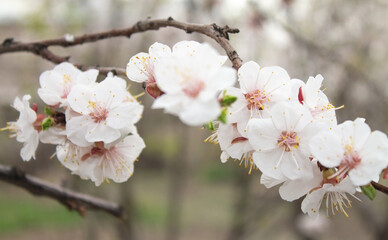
<point>262,134</point>
<point>248,75</point>
<point>126,114</point>
<point>267,161</point>
<point>312,202</point>
<point>327,148</point>
<point>139,67</point>
<point>197,113</point>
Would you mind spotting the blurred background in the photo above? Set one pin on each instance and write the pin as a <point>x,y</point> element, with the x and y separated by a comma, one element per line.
<point>180,189</point>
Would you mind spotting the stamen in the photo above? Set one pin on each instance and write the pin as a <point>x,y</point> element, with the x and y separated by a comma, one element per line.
<point>213,138</point>
<point>139,95</point>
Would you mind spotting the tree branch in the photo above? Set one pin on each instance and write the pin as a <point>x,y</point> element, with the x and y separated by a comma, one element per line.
<point>72,200</point>
<point>219,34</point>
<point>380,187</point>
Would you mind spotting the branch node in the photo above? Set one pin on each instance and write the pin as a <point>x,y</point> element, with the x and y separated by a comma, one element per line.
<point>17,173</point>
<point>7,42</point>
<point>170,19</point>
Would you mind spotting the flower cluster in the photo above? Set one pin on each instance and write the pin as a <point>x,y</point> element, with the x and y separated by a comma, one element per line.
<point>288,130</point>
<point>92,124</point>
<point>284,127</point>
<point>185,80</point>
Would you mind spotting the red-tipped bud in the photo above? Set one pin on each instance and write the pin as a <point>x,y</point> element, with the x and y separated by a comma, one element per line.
<point>35,107</point>
<point>300,95</point>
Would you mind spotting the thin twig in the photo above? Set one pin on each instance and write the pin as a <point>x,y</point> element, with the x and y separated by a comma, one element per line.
<point>219,34</point>
<point>72,200</point>
<point>380,187</point>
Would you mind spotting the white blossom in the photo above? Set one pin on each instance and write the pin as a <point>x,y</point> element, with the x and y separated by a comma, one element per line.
<point>191,79</point>
<point>333,195</point>
<point>104,112</point>
<point>281,141</point>
<point>110,161</point>
<point>353,149</point>
<point>310,96</point>
<point>233,145</point>
<point>56,84</point>
<point>140,67</point>
<point>25,128</point>
<point>260,89</point>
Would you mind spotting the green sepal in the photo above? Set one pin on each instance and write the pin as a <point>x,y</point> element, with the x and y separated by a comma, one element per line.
<point>47,123</point>
<point>369,191</point>
<point>227,100</point>
<point>223,116</point>
<point>209,126</point>
<point>48,111</point>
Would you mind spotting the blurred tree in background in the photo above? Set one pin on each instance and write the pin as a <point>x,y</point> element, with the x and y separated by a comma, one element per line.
<point>180,189</point>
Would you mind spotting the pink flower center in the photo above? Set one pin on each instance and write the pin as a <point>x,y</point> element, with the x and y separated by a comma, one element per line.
<point>99,150</point>
<point>97,113</point>
<point>350,160</point>
<point>289,141</point>
<point>193,88</point>
<point>255,99</point>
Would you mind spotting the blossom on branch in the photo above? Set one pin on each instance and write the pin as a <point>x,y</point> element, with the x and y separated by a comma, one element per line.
<point>260,89</point>
<point>25,129</point>
<point>56,84</point>
<point>110,161</point>
<point>281,141</point>
<point>311,97</point>
<point>140,67</point>
<point>334,195</point>
<point>191,79</point>
<point>233,145</point>
<point>102,112</point>
<point>353,150</point>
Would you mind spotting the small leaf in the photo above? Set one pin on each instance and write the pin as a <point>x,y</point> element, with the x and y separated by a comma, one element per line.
<point>369,191</point>
<point>227,100</point>
<point>223,116</point>
<point>209,126</point>
<point>48,111</point>
<point>47,123</point>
